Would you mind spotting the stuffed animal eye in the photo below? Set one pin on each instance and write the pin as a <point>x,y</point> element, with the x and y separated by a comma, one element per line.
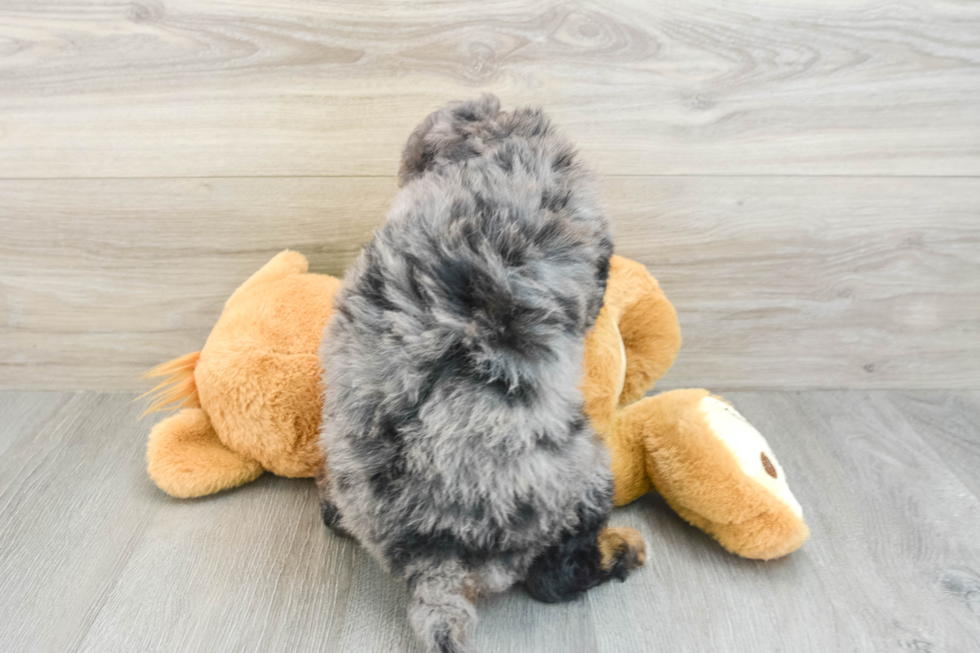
<point>767,465</point>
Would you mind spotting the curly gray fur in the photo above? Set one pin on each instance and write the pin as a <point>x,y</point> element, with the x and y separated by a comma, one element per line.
<point>458,449</point>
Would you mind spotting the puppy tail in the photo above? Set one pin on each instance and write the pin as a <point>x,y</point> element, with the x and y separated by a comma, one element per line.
<point>446,135</point>
<point>441,609</point>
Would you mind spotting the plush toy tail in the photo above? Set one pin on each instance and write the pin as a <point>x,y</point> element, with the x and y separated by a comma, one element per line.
<point>178,390</point>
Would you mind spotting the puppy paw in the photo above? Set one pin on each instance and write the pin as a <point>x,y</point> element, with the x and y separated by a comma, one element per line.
<point>622,550</point>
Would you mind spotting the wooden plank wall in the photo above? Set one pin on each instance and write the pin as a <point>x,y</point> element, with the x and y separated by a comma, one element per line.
<point>803,177</point>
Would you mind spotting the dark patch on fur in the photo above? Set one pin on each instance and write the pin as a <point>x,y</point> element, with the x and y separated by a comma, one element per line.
<point>414,285</point>
<point>555,201</point>
<point>602,271</point>
<point>571,312</point>
<point>466,113</point>
<point>504,159</point>
<point>553,442</point>
<point>573,565</point>
<point>473,513</point>
<point>563,161</point>
<point>520,393</point>
<point>568,569</point>
<point>374,283</point>
<point>444,640</point>
<point>524,516</point>
<point>602,276</point>
<point>577,424</point>
<point>330,515</point>
<point>436,546</point>
<point>441,545</point>
<point>344,482</point>
<point>387,456</point>
<point>345,312</point>
<point>459,279</point>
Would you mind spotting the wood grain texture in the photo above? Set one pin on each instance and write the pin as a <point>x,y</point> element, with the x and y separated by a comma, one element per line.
<point>816,282</point>
<point>893,531</point>
<point>73,506</point>
<point>26,411</point>
<point>951,425</point>
<point>99,278</point>
<point>95,559</point>
<point>300,87</point>
<point>801,176</point>
<point>779,282</point>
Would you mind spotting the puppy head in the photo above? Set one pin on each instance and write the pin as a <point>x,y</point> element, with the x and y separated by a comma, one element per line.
<point>450,134</point>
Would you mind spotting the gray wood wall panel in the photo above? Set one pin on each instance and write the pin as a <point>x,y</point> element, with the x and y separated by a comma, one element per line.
<point>802,176</point>
<point>299,87</point>
<point>778,281</point>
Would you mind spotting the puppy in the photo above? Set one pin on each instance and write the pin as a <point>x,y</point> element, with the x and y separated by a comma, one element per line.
<point>459,455</point>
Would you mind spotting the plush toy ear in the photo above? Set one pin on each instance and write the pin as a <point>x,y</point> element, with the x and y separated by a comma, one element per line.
<point>445,135</point>
<point>632,344</point>
<point>648,326</point>
<point>282,265</point>
<point>185,458</point>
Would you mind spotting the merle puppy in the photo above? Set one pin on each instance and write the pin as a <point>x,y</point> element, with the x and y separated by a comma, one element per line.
<point>459,455</point>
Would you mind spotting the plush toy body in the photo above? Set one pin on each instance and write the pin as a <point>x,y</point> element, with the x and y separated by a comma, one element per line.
<point>252,395</point>
<point>251,402</point>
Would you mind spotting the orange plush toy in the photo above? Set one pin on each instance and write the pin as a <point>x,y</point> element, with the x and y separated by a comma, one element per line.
<point>710,465</point>
<point>251,402</point>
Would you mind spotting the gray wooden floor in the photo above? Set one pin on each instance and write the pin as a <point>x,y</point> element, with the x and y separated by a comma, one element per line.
<point>94,558</point>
